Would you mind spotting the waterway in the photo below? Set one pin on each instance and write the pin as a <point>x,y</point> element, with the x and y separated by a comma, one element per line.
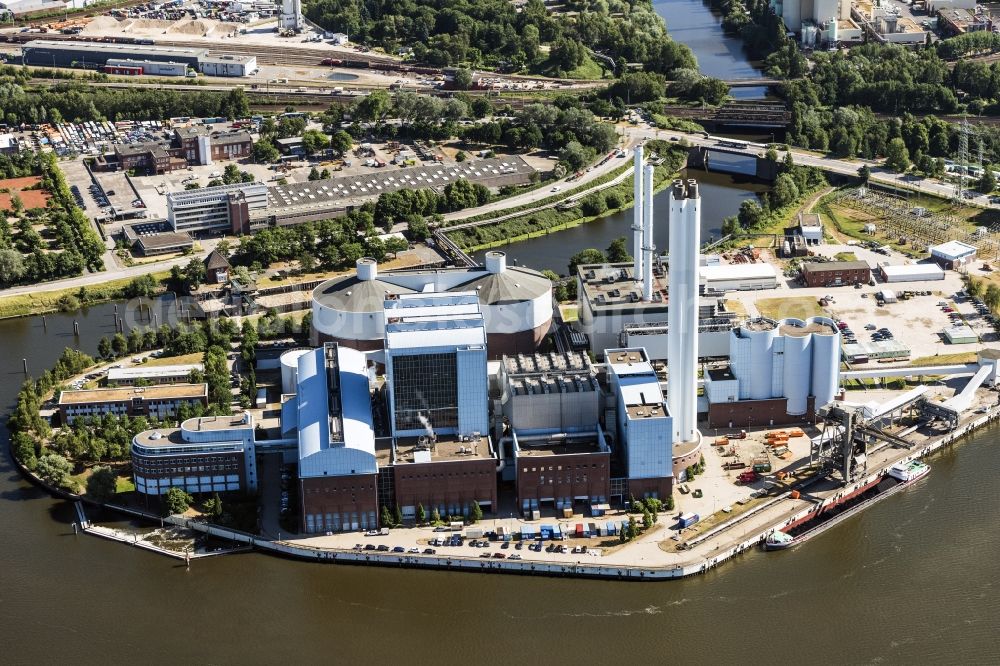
<point>721,196</point>
<point>913,580</point>
<point>719,55</point>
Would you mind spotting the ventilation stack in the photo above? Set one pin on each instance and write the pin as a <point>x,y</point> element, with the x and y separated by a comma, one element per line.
<point>637,215</point>
<point>648,245</point>
<point>682,315</point>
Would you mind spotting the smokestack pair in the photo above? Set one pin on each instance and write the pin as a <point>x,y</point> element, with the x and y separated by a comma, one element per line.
<point>643,246</point>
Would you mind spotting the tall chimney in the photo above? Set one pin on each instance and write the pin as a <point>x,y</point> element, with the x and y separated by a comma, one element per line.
<point>637,215</point>
<point>682,314</point>
<point>648,244</point>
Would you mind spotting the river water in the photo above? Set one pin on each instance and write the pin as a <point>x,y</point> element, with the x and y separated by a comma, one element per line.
<point>915,579</point>
<point>721,196</point>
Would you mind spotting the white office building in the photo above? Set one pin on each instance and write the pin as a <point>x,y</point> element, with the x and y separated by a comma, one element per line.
<point>223,208</point>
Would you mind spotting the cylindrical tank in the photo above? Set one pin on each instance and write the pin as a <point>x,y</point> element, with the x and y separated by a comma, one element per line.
<point>367,268</point>
<point>831,26</point>
<point>762,333</point>
<point>496,262</point>
<point>797,370</point>
<point>289,362</point>
<point>826,362</point>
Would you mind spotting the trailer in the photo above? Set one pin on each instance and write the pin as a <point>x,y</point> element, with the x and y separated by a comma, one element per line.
<point>687,520</point>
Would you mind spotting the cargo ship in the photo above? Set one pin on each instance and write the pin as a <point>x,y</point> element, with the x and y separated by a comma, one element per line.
<point>895,479</point>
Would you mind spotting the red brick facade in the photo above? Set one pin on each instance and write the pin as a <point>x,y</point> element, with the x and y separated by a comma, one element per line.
<point>544,478</point>
<point>745,413</point>
<point>349,501</point>
<point>451,484</point>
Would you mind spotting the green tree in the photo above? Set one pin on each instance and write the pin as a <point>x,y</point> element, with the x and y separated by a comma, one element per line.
<point>341,141</point>
<point>475,512</point>
<point>897,157</point>
<point>104,347</point>
<point>435,516</point>
<point>386,517</point>
<point>991,297</point>
<point>265,151</point>
<point>864,174</point>
<point>988,181</point>
<point>633,528</point>
<point>102,484</point>
<point>314,141</point>
<point>785,190</point>
<point>588,256</point>
<point>397,516</point>
<point>421,514</point>
<point>751,214</point>
<point>25,449</point>
<point>177,500</point>
<point>668,504</point>
<point>55,470</point>
<point>463,79</point>
<point>618,251</point>
<point>11,266</point>
<point>119,344</point>
<point>647,518</point>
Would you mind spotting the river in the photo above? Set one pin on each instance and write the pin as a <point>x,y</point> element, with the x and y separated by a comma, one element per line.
<point>721,196</point>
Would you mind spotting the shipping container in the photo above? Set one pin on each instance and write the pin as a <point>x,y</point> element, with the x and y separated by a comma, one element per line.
<point>688,519</point>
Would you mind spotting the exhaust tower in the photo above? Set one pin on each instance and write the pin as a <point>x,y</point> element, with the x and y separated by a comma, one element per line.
<point>682,314</point>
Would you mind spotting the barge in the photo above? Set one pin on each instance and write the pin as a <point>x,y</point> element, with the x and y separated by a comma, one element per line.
<point>823,518</point>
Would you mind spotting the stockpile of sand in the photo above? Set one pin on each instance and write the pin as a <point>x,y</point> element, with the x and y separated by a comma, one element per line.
<point>102,24</point>
<point>205,27</point>
<point>151,27</point>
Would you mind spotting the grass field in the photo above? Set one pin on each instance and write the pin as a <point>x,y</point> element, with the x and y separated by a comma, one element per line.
<point>22,305</point>
<point>799,307</point>
<point>183,359</point>
<point>946,359</point>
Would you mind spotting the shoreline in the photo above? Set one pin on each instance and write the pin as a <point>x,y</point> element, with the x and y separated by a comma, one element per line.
<point>698,565</point>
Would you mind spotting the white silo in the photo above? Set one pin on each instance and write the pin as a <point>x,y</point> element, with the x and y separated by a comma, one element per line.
<point>682,313</point>
<point>752,356</point>
<point>797,360</point>
<point>289,362</point>
<point>826,361</point>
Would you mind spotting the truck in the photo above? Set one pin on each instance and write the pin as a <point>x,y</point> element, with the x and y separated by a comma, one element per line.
<point>687,520</point>
<point>474,533</point>
<point>456,526</point>
<point>742,434</point>
<point>747,477</point>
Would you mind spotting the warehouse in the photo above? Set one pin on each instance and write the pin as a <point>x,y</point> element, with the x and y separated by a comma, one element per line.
<point>960,335</point>
<point>228,65</point>
<point>835,273</point>
<point>953,254</point>
<point>92,55</point>
<point>911,273</point>
<point>737,277</point>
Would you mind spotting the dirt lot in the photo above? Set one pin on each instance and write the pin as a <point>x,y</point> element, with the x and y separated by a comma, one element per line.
<point>30,198</point>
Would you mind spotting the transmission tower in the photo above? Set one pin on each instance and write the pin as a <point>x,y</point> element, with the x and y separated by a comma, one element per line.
<point>963,158</point>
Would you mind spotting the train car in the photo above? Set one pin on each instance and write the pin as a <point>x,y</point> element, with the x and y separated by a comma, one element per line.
<point>729,143</point>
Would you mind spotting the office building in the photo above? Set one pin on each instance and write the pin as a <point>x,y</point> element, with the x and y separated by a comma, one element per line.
<point>200,144</point>
<point>516,303</point>
<point>211,454</point>
<point>159,402</point>
<point>835,273</point>
<point>224,208</point>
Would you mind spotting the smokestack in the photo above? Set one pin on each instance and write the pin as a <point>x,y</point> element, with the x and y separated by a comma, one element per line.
<point>682,315</point>
<point>648,245</point>
<point>637,215</point>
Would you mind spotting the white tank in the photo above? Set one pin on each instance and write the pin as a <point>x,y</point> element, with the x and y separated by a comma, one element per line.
<point>797,366</point>
<point>826,363</point>
<point>496,262</point>
<point>367,268</point>
<point>752,358</point>
<point>289,362</point>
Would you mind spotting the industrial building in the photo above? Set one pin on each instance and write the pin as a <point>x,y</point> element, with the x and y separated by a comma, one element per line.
<point>779,372</point>
<point>438,398</point>
<point>516,303</point>
<point>910,272</point>
<point>612,312</point>
<point>835,273</point>
<point>145,67</point>
<point>953,255</point>
<point>810,227</point>
<point>644,427</point>
<point>95,55</point>
<point>720,278</point>
<point>200,144</point>
<point>153,374</point>
<point>551,406</point>
<point>332,415</point>
<point>153,238</point>
<point>211,454</point>
<point>223,208</point>
<point>159,402</point>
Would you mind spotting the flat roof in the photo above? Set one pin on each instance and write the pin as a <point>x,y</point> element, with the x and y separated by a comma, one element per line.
<point>320,194</point>
<point>227,58</point>
<point>720,374</point>
<point>142,371</point>
<point>105,47</point>
<point>834,266</point>
<point>953,249</point>
<point>166,392</point>
<point>165,239</point>
<point>631,361</point>
<point>720,272</point>
<point>811,326</point>
<point>537,363</point>
<point>647,410</point>
<point>613,286</point>
<point>203,423</point>
<point>559,447</point>
<point>445,449</point>
<point>912,269</point>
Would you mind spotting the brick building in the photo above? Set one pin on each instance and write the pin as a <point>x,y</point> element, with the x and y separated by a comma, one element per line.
<point>835,273</point>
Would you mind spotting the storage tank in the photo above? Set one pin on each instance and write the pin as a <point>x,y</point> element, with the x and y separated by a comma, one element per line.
<point>831,26</point>
<point>798,359</point>
<point>751,360</point>
<point>289,362</point>
<point>826,362</point>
